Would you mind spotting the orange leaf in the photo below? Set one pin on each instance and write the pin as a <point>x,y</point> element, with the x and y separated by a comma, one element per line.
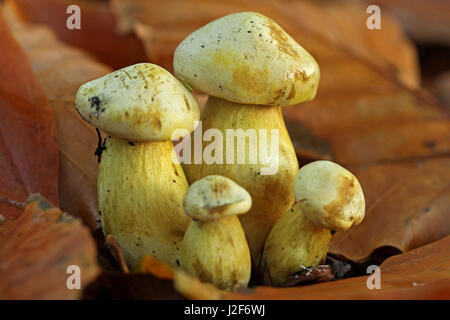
<point>28,153</point>
<point>423,273</point>
<point>98,34</point>
<point>162,25</point>
<point>37,248</point>
<point>60,70</point>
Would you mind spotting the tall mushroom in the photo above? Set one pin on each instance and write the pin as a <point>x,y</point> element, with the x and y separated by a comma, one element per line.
<point>140,187</point>
<point>214,247</point>
<point>250,67</point>
<point>329,198</point>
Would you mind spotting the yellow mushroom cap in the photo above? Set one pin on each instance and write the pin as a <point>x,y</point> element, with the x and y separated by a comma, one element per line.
<point>142,102</point>
<point>214,197</point>
<point>247,58</point>
<point>329,195</point>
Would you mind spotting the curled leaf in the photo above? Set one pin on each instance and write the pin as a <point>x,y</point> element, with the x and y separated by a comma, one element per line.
<point>38,247</point>
<point>60,70</point>
<point>28,153</point>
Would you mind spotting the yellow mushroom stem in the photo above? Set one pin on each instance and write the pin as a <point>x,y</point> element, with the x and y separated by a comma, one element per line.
<point>295,242</point>
<point>271,193</point>
<point>140,195</point>
<point>217,252</point>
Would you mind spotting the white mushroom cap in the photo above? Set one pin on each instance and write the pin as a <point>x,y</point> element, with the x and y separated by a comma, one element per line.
<point>329,195</point>
<point>247,58</point>
<point>142,102</point>
<point>214,197</point>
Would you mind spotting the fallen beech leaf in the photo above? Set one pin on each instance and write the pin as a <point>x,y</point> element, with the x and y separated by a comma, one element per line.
<point>406,206</point>
<point>60,70</point>
<point>426,21</point>
<point>97,35</point>
<point>38,247</point>
<point>423,273</point>
<point>163,25</point>
<point>28,152</point>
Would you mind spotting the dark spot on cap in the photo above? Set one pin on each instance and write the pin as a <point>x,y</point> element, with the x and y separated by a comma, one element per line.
<point>94,101</point>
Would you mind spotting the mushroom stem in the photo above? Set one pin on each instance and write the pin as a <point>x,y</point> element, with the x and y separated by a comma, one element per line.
<point>140,195</point>
<point>295,241</point>
<point>224,259</point>
<point>271,193</point>
<point>328,197</point>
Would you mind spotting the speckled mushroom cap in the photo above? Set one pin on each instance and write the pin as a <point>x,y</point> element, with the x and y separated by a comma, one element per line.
<point>214,197</point>
<point>247,58</point>
<point>142,102</point>
<point>329,195</point>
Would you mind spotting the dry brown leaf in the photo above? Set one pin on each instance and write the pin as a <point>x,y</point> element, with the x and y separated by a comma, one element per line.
<point>162,25</point>
<point>407,206</point>
<point>97,35</point>
<point>60,70</point>
<point>426,21</point>
<point>28,153</point>
<point>423,273</point>
<point>38,247</point>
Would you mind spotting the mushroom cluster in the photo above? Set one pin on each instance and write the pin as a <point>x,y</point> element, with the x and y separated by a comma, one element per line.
<point>140,188</point>
<point>231,212</point>
<point>249,66</point>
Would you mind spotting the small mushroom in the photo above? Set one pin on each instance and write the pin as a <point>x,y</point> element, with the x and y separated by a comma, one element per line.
<point>329,198</point>
<point>250,67</point>
<point>140,188</point>
<point>214,247</point>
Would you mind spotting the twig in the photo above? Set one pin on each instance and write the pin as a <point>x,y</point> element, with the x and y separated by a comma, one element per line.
<point>14,203</point>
